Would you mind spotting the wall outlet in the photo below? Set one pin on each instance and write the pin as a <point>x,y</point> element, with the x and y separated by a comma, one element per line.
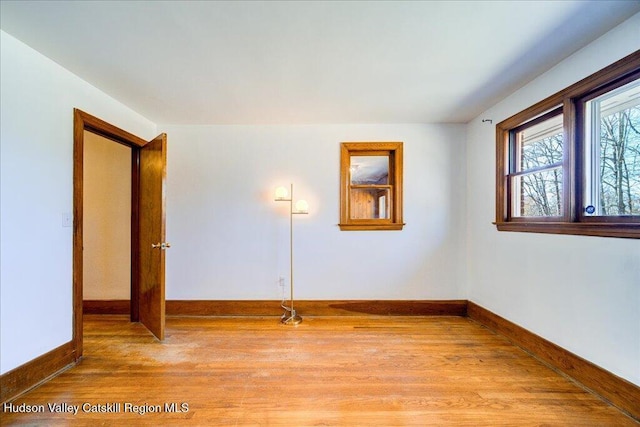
<point>281,281</point>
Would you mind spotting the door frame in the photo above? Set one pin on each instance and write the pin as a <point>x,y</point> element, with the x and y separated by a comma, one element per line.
<point>86,122</point>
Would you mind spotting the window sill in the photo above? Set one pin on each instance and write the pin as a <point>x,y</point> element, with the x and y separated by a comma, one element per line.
<point>369,227</point>
<point>601,229</point>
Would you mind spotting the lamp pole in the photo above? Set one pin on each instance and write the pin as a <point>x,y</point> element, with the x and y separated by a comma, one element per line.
<point>294,318</point>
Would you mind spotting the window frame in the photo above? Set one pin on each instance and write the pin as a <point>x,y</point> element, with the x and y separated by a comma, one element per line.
<point>572,101</point>
<point>395,152</point>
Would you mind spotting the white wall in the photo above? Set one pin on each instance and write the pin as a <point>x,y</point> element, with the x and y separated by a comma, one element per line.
<point>582,293</point>
<point>36,155</point>
<point>106,231</point>
<point>230,239</point>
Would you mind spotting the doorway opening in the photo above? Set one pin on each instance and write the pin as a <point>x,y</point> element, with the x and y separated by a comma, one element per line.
<point>106,225</point>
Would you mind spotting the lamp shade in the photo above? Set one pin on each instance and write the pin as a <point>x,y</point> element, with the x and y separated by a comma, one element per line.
<point>281,193</point>
<point>302,206</point>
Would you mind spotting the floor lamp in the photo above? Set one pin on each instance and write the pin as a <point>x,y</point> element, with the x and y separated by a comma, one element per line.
<point>290,317</point>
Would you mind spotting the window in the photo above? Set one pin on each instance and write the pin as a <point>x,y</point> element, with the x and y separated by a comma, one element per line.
<point>571,163</point>
<point>537,165</point>
<point>371,186</point>
<point>612,152</point>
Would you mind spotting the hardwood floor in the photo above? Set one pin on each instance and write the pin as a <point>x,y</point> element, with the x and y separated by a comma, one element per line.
<point>337,371</point>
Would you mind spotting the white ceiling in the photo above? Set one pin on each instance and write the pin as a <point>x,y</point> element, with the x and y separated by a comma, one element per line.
<point>290,62</point>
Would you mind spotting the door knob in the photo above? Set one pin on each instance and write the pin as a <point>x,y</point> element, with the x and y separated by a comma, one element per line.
<point>161,246</point>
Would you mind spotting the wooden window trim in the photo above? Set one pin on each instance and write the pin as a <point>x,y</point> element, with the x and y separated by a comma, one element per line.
<point>573,221</point>
<point>394,150</point>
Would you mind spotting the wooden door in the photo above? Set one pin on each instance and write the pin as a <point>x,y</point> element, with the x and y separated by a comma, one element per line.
<point>152,245</point>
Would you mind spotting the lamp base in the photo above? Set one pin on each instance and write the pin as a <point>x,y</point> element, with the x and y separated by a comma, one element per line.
<point>292,319</point>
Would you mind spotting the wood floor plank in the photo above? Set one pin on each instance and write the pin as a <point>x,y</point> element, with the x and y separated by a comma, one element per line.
<point>386,371</point>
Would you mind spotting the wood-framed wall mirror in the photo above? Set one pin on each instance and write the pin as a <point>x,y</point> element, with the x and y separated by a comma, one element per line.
<point>371,186</point>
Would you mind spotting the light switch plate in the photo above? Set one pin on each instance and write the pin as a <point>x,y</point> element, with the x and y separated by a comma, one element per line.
<point>67,219</point>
